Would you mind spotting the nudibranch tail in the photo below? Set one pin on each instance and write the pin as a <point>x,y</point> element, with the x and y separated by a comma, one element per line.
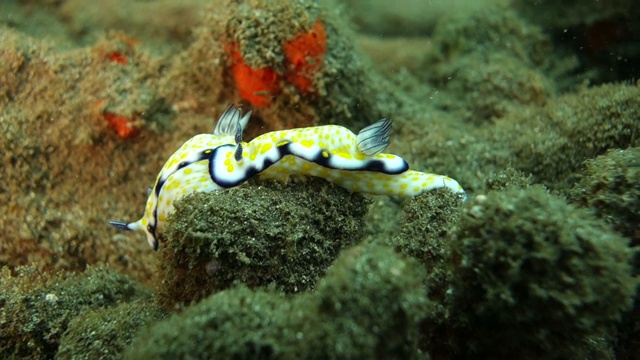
<point>221,160</point>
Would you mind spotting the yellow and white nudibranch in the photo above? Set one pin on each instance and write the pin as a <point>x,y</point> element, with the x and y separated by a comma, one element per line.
<point>210,162</point>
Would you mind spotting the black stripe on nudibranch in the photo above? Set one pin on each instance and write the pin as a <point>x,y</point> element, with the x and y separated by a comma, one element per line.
<point>151,228</point>
<point>324,158</point>
<point>379,166</point>
<point>163,179</point>
<point>255,168</point>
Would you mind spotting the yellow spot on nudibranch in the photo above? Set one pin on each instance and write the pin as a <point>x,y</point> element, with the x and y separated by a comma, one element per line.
<point>325,154</point>
<point>344,155</point>
<point>307,143</point>
<point>265,148</point>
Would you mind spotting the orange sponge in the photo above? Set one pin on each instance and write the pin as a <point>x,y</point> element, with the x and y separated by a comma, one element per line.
<point>124,126</point>
<point>117,57</point>
<point>257,86</point>
<point>305,55</point>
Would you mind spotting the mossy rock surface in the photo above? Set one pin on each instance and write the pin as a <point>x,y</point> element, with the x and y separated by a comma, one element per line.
<point>266,233</point>
<point>534,277</point>
<point>369,305</point>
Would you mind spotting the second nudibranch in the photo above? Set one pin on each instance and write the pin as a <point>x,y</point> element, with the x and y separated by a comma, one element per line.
<point>210,162</point>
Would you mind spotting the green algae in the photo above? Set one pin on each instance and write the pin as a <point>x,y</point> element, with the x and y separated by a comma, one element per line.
<point>36,308</point>
<point>508,179</point>
<point>610,186</point>
<point>497,59</point>
<point>280,234</point>
<point>369,305</point>
<point>104,333</point>
<point>427,226</point>
<point>545,279</point>
<point>559,137</point>
<point>372,301</point>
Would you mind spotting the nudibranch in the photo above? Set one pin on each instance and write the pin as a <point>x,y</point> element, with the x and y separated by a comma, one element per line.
<point>221,160</point>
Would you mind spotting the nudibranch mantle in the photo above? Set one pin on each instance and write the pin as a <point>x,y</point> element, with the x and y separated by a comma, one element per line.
<point>221,160</point>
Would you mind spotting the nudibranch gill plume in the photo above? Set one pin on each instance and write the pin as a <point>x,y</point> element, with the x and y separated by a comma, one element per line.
<point>221,160</point>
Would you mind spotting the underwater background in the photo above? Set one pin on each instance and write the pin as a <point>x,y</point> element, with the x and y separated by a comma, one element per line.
<point>532,106</point>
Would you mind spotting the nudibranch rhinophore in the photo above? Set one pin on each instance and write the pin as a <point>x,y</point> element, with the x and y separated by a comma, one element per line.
<point>210,162</point>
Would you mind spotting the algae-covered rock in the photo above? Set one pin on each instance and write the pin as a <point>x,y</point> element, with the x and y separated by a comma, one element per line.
<point>490,30</point>
<point>610,186</point>
<point>241,52</point>
<point>266,233</point>
<point>427,226</point>
<point>552,142</point>
<point>369,305</point>
<point>66,163</point>
<point>104,333</point>
<point>491,86</point>
<point>36,308</point>
<point>534,278</point>
<point>507,179</point>
<point>238,322</point>
<point>428,220</point>
<point>496,59</point>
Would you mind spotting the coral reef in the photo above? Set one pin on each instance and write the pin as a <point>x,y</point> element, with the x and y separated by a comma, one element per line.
<point>499,95</point>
